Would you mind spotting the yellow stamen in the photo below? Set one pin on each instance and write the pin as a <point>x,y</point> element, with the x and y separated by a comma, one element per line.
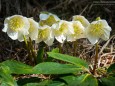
<point>78,31</point>
<point>62,29</point>
<point>51,20</point>
<point>43,34</point>
<point>16,23</point>
<point>97,29</point>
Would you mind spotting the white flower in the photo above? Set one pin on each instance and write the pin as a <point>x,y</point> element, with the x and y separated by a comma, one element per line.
<point>78,31</point>
<point>82,19</point>
<point>48,19</point>
<point>45,34</point>
<point>62,29</point>
<point>98,29</point>
<point>33,30</point>
<point>16,26</point>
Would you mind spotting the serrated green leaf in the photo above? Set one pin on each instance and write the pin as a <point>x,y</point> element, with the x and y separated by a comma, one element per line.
<point>55,68</point>
<point>18,67</point>
<point>76,61</point>
<point>83,80</point>
<point>108,81</point>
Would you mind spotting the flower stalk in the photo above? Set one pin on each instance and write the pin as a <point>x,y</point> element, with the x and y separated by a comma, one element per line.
<point>96,59</point>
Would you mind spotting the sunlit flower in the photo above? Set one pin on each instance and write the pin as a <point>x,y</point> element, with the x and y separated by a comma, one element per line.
<point>33,30</point>
<point>16,26</point>
<point>78,31</point>
<point>82,19</point>
<point>98,29</point>
<point>48,19</point>
<point>45,34</point>
<point>62,29</point>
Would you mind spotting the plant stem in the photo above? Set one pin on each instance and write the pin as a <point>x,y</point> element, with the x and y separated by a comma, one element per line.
<point>96,59</point>
<point>27,47</point>
<point>75,46</point>
<point>60,48</point>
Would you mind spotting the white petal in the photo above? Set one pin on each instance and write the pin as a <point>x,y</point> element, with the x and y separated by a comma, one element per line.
<point>43,16</point>
<point>71,38</point>
<point>13,35</point>
<point>20,37</point>
<point>106,35</point>
<point>50,41</point>
<point>56,18</point>
<point>70,28</point>
<point>5,24</point>
<point>5,28</point>
<point>34,33</point>
<point>60,38</point>
<point>92,39</point>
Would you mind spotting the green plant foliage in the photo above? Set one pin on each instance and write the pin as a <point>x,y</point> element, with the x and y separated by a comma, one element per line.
<point>40,55</point>
<point>111,69</point>
<point>55,68</point>
<point>55,50</point>
<point>46,83</point>
<point>108,81</point>
<point>18,67</point>
<point>23,81</point>
<point>70,59</point>
<point>7,79</point>
<point>82,80</point>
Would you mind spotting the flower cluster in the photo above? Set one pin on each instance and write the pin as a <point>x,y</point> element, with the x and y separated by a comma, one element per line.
<point>51,27</point>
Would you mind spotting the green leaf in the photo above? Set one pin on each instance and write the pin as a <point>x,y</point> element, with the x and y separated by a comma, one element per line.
<point>108,81</point>
<point>7,79</point>
<point>43,83</point>
<point>55,50</point>
<point>83,80</point>
<point>76,61</point>
<point>40,55</point>
<point>18,67</point>
<point>55,68</point>
<point>111,69</point>
<point>57,83</point>
<point>23,81</point>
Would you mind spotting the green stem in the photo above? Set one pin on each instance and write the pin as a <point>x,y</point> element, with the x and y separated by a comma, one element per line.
<point>27,47</point>
<point>96,59</point>
<point>32,50</point>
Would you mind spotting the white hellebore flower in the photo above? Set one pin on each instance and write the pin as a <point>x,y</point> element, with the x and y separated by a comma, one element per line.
<point>45,34</point>
<point>48,19</point>
<point>78,31</point>
<point>33,30</point>
<point>16,26</point>
<point>98,29</point>
<point>62,29</point>
<point>82,19</point>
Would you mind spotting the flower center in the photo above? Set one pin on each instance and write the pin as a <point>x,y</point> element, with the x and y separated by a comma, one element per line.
<point>43,34</point>
<point>16,23</point>
<point>78,31</point>
<point>63,29</point>
<point>51,20</point>
<point>97,29</point>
